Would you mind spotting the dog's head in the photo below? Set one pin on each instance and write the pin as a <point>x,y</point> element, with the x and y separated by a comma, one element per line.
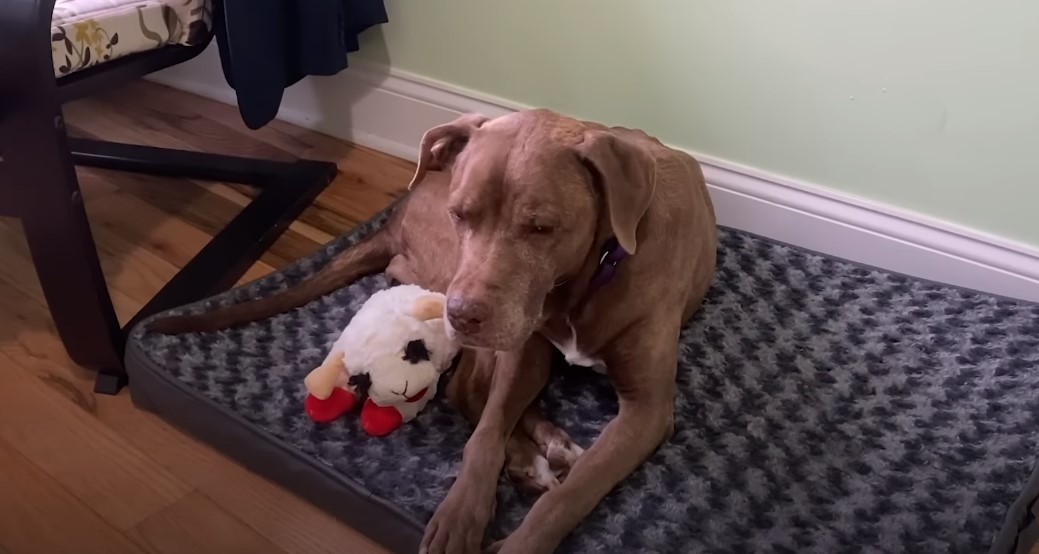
<point>529,194</point>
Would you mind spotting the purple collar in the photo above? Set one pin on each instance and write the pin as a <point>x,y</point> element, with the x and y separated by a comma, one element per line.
<point>612,254</point>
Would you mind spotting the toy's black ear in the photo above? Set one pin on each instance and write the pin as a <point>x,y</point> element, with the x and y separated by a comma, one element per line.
<point>362,383</point>
<point>416,351</point>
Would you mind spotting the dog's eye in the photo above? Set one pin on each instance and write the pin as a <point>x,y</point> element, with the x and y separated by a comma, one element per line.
<point>456,216</point>
<point>416,352</point>
<point>540,229</point>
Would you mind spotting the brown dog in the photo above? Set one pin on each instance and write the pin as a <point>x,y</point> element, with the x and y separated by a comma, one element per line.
<point>509,217</point>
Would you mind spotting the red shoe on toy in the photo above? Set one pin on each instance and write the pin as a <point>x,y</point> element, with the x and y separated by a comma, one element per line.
<point>329,409</point>
<point>380,421</point>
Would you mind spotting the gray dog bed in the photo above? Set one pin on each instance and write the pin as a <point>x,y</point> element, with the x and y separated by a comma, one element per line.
<point>823,407</point>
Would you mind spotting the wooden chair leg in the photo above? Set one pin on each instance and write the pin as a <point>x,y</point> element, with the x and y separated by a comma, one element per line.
<point>69,272</point>
<point>39,182</point>
<point>63,251</point>
<point>38,185</point>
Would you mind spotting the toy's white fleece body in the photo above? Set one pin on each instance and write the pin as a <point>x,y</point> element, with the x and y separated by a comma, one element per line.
<point>374,342</point>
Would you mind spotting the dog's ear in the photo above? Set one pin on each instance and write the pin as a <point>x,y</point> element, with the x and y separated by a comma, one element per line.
<point>441,144</point>
<point>430,306</point>
<point>627,173</point>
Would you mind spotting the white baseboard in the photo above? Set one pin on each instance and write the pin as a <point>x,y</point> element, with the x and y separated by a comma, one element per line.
<point>388,110</point>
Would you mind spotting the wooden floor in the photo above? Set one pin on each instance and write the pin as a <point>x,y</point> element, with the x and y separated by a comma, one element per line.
<point>88,474</point>
<point>84,473</point>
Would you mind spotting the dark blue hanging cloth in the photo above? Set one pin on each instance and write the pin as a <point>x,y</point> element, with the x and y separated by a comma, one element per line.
<point>269,45</point>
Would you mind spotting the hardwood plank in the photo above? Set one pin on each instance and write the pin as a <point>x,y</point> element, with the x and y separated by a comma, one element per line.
<point>93,184</point>
<point>281,135</point>
<point>146,227</point>
<point>27,333</point>
<point>364,170</point>
<point>369,178</point>
<point>299,239</point>
<point>140,249</point>
<point>38,516</point>
<point>129,266</point>
<point>196,525</point>
<point>284,519</point>
<point>17,270</point>
<point>120,119</point>
<point>203,207</point>
<point>135,225</point>
<point>242,195</point>
<point>106,473</point>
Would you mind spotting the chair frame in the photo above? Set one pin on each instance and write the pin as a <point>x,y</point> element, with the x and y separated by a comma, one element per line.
<point>38,185</point>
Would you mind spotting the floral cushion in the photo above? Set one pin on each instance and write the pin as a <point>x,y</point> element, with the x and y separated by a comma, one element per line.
<point>85,33</point>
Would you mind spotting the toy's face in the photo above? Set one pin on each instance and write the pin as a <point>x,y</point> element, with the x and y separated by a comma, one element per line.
<point>391,355</point>
<point>403,376</point>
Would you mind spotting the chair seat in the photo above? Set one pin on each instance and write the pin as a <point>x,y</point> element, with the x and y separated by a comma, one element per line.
<point>85,33</point>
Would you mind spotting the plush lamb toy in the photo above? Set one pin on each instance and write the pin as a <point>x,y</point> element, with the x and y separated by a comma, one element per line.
<point>393,351</point>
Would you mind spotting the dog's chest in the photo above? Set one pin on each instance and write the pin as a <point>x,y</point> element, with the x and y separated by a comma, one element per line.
<point>565,340</point>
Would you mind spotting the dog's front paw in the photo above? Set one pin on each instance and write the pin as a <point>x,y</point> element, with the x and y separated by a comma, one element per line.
<point>562,453</point>
<point>534,475</point>
<point>527,466</point>
<point>458,525</point>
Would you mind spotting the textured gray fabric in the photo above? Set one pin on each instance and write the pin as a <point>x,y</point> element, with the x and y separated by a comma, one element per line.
<point>823,407</point>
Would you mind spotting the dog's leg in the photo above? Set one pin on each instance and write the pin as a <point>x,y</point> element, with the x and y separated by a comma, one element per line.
<point>642,366</point>
<point>538,454</point>
<point>515,379</point>
<point>371,255</point>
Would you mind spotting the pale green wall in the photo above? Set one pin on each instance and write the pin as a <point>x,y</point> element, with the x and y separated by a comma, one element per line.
<point>931,105</point>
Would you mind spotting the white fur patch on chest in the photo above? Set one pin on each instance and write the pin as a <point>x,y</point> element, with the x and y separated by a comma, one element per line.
<point>574,356</point>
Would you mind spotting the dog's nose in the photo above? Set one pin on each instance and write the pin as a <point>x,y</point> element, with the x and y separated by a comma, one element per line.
<point>465,315</point>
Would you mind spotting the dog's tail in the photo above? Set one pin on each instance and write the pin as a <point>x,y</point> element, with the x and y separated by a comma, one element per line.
<point>369,256</point>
